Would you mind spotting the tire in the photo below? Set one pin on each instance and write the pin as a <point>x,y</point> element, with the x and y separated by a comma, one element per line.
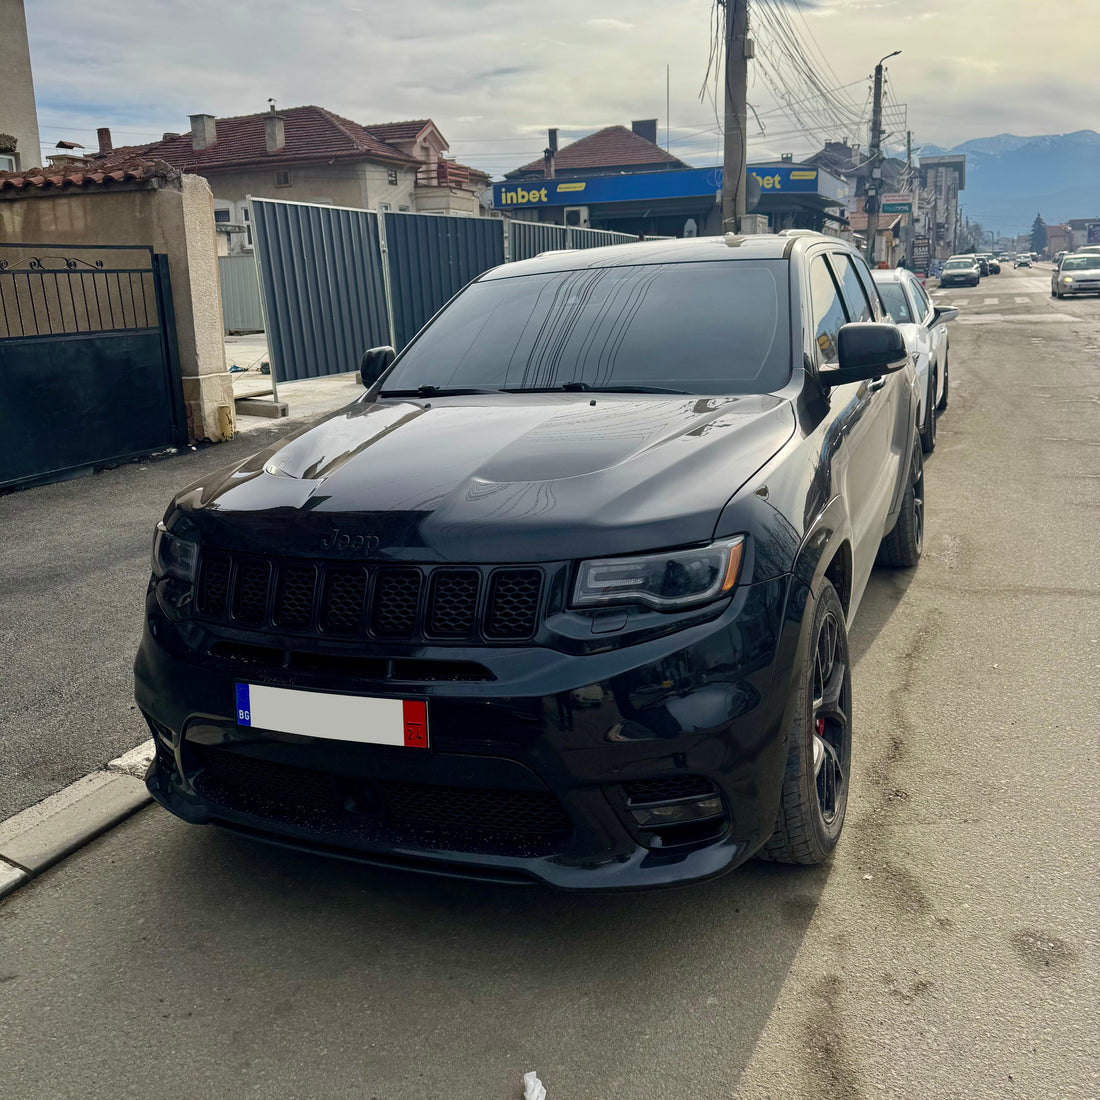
<point>943,397</point>
<point>901,548</point>
<point>814,796</point>
<point>928,429</point>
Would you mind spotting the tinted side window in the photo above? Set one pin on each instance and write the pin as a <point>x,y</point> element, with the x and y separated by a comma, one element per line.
<point>827,310</point>
<point>921,298</point>
<point>864,273</point>
<point>855,297</point>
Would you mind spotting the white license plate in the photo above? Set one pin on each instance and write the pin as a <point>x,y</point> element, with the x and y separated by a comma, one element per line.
<point>401,722</point>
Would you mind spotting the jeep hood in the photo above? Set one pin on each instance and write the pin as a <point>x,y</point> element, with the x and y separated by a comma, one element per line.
<point>496,478</point>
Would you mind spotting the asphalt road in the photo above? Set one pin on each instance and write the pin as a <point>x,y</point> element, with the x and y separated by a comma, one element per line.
<point>949,950</point>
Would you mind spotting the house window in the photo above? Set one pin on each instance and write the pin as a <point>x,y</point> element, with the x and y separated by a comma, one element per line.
<point>391,177</point>
<point>403,209</point>
<point>282,179</point>
<point>221,215</point>
<point>247,226</point>
<point>7,164</point>
<point>385,207</point>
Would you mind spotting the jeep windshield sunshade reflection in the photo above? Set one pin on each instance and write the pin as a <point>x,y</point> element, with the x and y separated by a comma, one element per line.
<point>704,328</point>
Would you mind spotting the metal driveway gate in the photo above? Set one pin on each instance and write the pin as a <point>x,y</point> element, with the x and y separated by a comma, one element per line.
<point>89,372</point>
<point>431,258</point>
<point>323,286</point>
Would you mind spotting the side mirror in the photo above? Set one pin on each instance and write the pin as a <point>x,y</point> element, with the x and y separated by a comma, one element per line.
<point>866,350</point>
<point>944,313</point>
<point>374,363</point>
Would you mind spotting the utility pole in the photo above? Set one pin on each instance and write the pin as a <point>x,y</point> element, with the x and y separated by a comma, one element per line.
<point>735,159</point>
<point>873,190</point>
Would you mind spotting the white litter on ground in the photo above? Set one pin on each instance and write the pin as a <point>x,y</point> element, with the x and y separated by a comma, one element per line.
<point>532,1087</point>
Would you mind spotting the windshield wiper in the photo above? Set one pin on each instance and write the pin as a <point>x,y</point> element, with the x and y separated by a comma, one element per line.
<point>584,387</point>
<point>436,391</point>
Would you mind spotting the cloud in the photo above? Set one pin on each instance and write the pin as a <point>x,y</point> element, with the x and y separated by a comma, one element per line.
<point>609,24</point>
<point>494,75</point>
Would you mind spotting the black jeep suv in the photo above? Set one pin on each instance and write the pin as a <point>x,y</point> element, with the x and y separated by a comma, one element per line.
<point>563,597</point>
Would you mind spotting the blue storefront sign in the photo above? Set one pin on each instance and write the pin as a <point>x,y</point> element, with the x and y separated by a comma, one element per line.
<point>648,186</point>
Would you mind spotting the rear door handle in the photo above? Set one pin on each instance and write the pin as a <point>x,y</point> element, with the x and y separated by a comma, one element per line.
<point>877,383</point>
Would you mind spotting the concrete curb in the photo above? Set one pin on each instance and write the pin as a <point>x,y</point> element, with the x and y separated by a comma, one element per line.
<point>54,828</point>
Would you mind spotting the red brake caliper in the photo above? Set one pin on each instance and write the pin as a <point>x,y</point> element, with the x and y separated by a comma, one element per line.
<point>821,727</point>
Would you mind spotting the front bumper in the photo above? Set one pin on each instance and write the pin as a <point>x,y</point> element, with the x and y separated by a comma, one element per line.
<point>532,774</point>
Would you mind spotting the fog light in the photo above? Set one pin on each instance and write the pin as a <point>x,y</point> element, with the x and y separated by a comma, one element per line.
<point>678,813</point>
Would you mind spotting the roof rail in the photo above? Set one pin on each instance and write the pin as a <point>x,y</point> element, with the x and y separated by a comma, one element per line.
<point>800,233</point>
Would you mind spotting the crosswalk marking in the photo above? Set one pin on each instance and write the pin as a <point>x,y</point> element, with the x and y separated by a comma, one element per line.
<point>991,302</point>
<point>1023,301</point>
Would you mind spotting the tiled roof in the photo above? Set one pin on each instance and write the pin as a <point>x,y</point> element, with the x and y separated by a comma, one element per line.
<point>611,147</point>
<point>398,131</point>
<point>71,176</point>
<point>312,133</point>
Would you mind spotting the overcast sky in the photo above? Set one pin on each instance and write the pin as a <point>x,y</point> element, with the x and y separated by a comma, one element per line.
<point>495,73</point>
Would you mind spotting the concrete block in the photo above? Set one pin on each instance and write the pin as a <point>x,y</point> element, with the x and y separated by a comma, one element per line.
<point>53,828</point>
<point>248,406</point>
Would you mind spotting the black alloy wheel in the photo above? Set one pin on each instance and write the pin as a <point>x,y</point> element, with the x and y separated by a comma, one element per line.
<point>902,547</point>
<point>832,732</point>
<point>814,796</point>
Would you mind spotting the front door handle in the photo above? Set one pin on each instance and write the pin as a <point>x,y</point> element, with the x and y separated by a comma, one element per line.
<point>877,383</point>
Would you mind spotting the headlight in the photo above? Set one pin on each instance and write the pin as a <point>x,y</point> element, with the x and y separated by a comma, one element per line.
<point>1067,278</point>
<point>668,581</point>
<point>173,556</point>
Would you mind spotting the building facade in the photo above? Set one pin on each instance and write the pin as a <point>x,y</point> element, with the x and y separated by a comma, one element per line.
<point>620,179</point>
<point>310,154</point>
<point>19,148</point>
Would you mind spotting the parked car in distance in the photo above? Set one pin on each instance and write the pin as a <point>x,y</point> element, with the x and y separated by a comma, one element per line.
<point>1088,250</point>
<point>924,327</point>
<point>1078,273</point>
<point>1058,256</point>
<point>994,265</point>
<point>564,596</point>
<point>1022,260</point>
<point>960,271</point>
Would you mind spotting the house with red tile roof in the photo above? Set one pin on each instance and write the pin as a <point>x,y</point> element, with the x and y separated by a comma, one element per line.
<point>311,154</point>
<point>607,152</point>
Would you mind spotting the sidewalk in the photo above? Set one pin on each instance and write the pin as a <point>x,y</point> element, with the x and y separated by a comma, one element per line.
<point>309,397</point>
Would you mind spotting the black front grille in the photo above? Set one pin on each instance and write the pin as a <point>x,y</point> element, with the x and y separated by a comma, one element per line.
<point>667,788</point>
<point>453,605</point>
<point>250,592</point>
<point>513,603</point>
<point>390,602</point>
<point>345,593</point>
<point>443,817</point>
<point>294,601</point>
<point>214,584</point>
<point>396,598</point>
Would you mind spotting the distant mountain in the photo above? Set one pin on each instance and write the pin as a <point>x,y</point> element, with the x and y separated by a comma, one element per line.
<point>1010,178</point>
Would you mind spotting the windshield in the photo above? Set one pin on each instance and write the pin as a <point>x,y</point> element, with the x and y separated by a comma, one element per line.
<point>716,327</point>
<point>894,298</point>
<point>1080,263</point>
<point>959,263</point>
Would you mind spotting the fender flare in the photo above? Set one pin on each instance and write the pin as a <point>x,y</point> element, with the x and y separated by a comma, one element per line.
<point>829,532</point>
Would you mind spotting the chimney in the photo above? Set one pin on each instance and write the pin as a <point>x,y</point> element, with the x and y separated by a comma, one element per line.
<point>274,131</point>
<point>549,153</point>
<point>204,131</point>
<point>646,128</point>
<point>104,136</point>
